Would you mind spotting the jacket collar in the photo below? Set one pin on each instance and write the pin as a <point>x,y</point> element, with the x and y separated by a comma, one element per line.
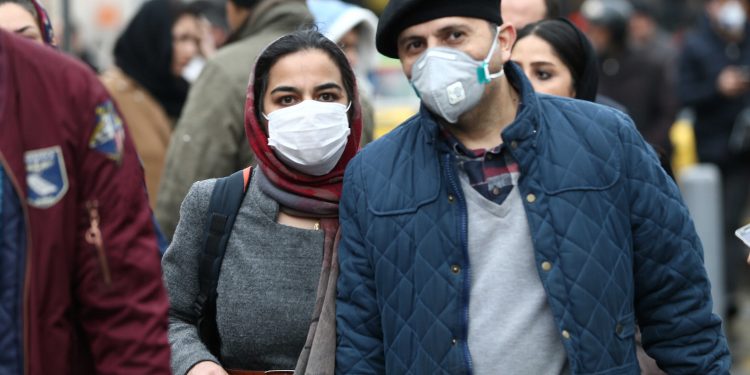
<point>526,124</point>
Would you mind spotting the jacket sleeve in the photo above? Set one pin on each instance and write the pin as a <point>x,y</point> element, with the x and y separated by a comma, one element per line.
<point>360,338</point>
<point>209,141</point>
<point>672,292</point>
<point>121,302</point>
<point>180,265</point>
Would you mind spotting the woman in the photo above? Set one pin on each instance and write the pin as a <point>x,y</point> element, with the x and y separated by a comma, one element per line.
<point>559,60</point>
<point>147,82</point>
<point>26,18</point>
<point>303,123</point>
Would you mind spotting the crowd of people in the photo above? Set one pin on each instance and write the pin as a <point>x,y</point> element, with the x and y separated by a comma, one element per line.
<point>214,202</point>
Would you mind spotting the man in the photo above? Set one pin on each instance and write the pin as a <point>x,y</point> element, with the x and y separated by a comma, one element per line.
<point>498,231</point>
<point>520,13</point>
<point>714,80</point>
<point>81,283</point>
<point>209,140</point>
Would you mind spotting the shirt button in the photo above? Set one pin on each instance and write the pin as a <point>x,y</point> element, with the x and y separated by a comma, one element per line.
<point>514,145</point>
<point>451,198</point>
<point>454,342</point>
<point>531,198</point>
<point>455,268</point>
<point>566,334</point>
<point>546,266</point>
<point>619,329</point>
<point>186,138</point>
<point>496,191</point>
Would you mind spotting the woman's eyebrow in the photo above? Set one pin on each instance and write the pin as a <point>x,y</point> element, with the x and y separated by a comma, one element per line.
<point>22,29</point>
<point>285,89</point>
<point>329,85</point>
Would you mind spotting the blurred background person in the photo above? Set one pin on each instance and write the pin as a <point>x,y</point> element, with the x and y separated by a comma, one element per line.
<point>353,29</point>
<point>714,80</point>
<point>215,16</point>
<point>209,140</point>
<point>82,289</point>
<point>632,77</point>
<point>646,33</point>
<point>28,19</point>
<point>146,81</point>
<point>520,13</point>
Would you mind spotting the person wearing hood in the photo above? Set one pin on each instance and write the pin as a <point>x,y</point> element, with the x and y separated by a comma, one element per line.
<point>209,140</point>
<point>27,18</point>
<point>353,29</point>
<point>146,81</point>
<point>714,80</point>
<point>276,289</point>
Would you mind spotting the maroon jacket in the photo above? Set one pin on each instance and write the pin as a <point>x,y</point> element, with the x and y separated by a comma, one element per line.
<point>91,298</point>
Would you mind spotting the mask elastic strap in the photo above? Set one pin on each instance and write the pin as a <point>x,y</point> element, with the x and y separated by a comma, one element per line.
<point>483,71</point>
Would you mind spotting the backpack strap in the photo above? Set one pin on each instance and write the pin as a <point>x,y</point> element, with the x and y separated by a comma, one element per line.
<point>226,200</point>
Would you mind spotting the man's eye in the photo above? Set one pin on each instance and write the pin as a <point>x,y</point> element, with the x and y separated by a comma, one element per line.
<point>455,35</point>
<point>414,45</point>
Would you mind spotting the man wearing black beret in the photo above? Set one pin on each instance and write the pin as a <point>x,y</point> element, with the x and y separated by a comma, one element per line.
<point>503,232</point>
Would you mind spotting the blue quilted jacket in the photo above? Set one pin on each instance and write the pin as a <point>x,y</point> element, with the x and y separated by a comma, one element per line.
<point>614,244</point>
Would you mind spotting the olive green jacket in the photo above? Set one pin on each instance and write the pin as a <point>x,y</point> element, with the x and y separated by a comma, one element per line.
<point>209,139</point>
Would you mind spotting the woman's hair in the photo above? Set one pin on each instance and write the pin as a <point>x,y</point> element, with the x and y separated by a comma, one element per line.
<point>301,40</point>
<point>573,48</point>
<point>25,4</point>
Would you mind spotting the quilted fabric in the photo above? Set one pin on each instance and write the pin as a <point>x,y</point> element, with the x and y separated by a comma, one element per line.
<point>601,211</point>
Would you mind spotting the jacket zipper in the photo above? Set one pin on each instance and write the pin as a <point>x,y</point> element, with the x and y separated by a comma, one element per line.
<point>27,260</point>
<point>94,237</point>
<point>467,266</point>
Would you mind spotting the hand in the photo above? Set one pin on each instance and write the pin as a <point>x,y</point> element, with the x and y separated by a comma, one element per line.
<point>207,368</point>
<point>733,82</point>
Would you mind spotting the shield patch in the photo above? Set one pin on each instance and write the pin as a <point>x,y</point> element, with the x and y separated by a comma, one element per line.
<point>46,178</point>
<point>109,135</point>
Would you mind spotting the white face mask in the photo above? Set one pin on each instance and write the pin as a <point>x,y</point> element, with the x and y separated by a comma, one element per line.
<point>732,17</point>
<point>450,82</point>
<point>193,69</point>
<point>310,136</point>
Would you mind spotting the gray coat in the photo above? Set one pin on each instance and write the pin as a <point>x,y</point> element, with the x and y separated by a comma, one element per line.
<point>209,140</point>
<point>266,290</point>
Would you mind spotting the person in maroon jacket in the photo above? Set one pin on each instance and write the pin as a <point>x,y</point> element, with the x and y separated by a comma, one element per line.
<point>80,283</point>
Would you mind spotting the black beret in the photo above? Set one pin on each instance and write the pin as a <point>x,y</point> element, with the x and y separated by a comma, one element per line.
<point>402,14</point>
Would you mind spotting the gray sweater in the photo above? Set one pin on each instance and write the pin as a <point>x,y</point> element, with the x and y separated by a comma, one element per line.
<point>266,290</point>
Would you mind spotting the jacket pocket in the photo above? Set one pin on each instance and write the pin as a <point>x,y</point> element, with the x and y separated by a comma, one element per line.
<point>93,237</point>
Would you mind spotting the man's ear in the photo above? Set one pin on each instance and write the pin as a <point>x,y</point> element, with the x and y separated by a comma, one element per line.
<point>506,38</point>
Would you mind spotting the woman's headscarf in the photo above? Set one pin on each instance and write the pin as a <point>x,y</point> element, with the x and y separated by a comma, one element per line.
<point>45,26</point>
<point>588,80</point>
<point>304,194</point>
<point>144,52</point>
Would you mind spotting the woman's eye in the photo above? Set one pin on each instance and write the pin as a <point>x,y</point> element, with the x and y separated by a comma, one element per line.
<point>327,97</point>
<point>286,100</point>
<point>542,75</point>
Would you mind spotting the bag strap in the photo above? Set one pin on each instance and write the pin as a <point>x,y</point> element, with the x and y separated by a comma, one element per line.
<point>226,200</point>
